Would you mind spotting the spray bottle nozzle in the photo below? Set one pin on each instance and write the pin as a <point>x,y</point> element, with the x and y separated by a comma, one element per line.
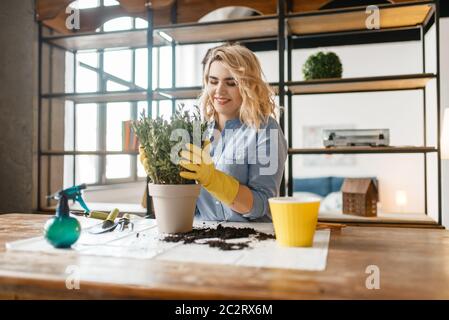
<point>72,193</point>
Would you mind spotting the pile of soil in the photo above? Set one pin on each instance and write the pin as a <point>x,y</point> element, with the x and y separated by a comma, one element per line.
<point>221,233</point>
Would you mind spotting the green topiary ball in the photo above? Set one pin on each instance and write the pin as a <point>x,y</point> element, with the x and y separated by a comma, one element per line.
<point>322,65</point>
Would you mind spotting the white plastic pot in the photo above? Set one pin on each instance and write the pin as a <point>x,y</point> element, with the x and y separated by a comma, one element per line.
<point>174,206</point>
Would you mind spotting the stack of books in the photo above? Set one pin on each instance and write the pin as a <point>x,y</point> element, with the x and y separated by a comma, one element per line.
<point>129,139</point>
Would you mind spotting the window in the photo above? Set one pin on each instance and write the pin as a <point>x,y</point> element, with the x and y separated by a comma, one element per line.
<point>94,130</point>
<point>97,127</point>
<point>85,4</point>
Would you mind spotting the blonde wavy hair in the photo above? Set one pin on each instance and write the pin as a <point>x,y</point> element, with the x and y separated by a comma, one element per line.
<point>257,96</point>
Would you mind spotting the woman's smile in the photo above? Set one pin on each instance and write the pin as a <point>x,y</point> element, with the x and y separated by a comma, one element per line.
<point>221,100</point>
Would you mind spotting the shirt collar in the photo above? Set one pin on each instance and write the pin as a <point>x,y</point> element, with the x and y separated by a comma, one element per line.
<point>229,124</point>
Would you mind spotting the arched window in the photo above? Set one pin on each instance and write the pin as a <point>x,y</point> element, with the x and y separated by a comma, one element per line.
<point>231,12</point>
<point>85,4</point>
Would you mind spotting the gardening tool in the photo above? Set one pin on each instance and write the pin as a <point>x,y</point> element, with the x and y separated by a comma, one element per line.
<point>61,231</point>
<point>100,215</point>
<point>125,223</point>
<point>74,193</point>
<point>108,225</point>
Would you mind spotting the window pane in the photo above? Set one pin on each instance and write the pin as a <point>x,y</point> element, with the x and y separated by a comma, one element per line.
<point>68,125</point>
<point>116,113</point>
<point>85,4</point>
<point>86,80</point>
<point>114,86</point>
<point>118,166</point>
<point>166,66</point>
<point>189,104</point>
<point>86,169</point>
<point>123,23</point>
<point>142,70</point>
<point>141,23</point>
<point>118,63</point>
<point>68,172</point>
<point>140,170</point>
<point>69,70</point>
<point>189,70</point>
<point>86,127</point>
<point>108,3</point>
<point>142,106</point>
<point>88,57</point>
<point>165,109</point>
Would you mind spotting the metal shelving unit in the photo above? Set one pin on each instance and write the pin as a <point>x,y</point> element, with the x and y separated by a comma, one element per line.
<point>248,29</point>
<point>326,23</point>
<point>285,27</point>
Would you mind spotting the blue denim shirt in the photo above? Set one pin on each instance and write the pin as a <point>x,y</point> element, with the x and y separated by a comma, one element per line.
<point>256,158</point>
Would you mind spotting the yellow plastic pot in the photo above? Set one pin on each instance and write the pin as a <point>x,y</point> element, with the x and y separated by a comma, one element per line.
<point>294,220</point>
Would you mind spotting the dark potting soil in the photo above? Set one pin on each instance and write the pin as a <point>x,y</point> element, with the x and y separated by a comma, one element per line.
<point>221,233</point>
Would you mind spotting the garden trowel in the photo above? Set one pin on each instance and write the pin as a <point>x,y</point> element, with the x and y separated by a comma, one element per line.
<point>108,225</point>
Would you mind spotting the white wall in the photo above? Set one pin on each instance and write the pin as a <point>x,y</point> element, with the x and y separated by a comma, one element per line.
<point>444,89</point>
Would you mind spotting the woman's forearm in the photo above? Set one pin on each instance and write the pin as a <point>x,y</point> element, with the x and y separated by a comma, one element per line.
<point>243,202</point>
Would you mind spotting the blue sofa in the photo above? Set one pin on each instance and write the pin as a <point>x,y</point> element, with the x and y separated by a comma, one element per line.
<point>320,185</point>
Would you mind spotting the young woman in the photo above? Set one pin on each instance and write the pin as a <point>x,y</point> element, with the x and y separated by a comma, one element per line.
<point>243,165</point>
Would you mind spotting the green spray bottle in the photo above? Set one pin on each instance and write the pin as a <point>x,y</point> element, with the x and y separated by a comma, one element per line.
<point>61,231</point>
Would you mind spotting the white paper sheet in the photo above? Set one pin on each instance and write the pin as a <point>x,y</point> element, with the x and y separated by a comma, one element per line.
<point>143,242</point>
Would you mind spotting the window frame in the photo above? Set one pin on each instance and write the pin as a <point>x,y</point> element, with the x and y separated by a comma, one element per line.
<point>102,108</point>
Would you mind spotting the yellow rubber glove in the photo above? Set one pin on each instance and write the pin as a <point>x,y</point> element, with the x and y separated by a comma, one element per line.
<point>222,186</point>
<point>143,159</point>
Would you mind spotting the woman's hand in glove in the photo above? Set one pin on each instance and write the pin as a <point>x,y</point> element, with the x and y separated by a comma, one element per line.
<point>202,169</point>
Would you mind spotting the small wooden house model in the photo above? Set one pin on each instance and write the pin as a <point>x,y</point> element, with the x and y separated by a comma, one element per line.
<point>360,196</point>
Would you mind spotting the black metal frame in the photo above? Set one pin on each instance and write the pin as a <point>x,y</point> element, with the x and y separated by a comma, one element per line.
<point>284,43</point>
<point>423,29</point>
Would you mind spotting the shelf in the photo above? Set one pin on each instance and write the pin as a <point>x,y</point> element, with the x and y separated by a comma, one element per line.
<point>361,150</point>
<point>251,28</point>
<point>179,93</point>
<point>97,97</point>
<point>133,95</point>
<point>207,32</point>
<point>105,97</point>
<point>124,96</point>
<point>353,19</point>
<point>261,27</point>
<point>365,84</point>
<point>382,218</point>
<point>190,92</point>
<point>86,153</point>
<point>102,40</point>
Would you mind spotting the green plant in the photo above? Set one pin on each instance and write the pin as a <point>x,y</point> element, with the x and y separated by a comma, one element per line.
<point>322,65</point>
<point>155,137</point>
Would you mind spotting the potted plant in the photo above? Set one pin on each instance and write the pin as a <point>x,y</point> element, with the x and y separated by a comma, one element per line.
<point>322,66</point>
<point>174,198</point>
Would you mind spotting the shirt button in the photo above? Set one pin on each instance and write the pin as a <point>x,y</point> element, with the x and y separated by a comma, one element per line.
<point>217,202</point>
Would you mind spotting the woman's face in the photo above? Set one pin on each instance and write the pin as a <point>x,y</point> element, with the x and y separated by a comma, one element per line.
<point>223,91</point>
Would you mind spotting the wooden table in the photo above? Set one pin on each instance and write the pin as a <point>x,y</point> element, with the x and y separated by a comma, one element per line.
<point>413,263</point>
